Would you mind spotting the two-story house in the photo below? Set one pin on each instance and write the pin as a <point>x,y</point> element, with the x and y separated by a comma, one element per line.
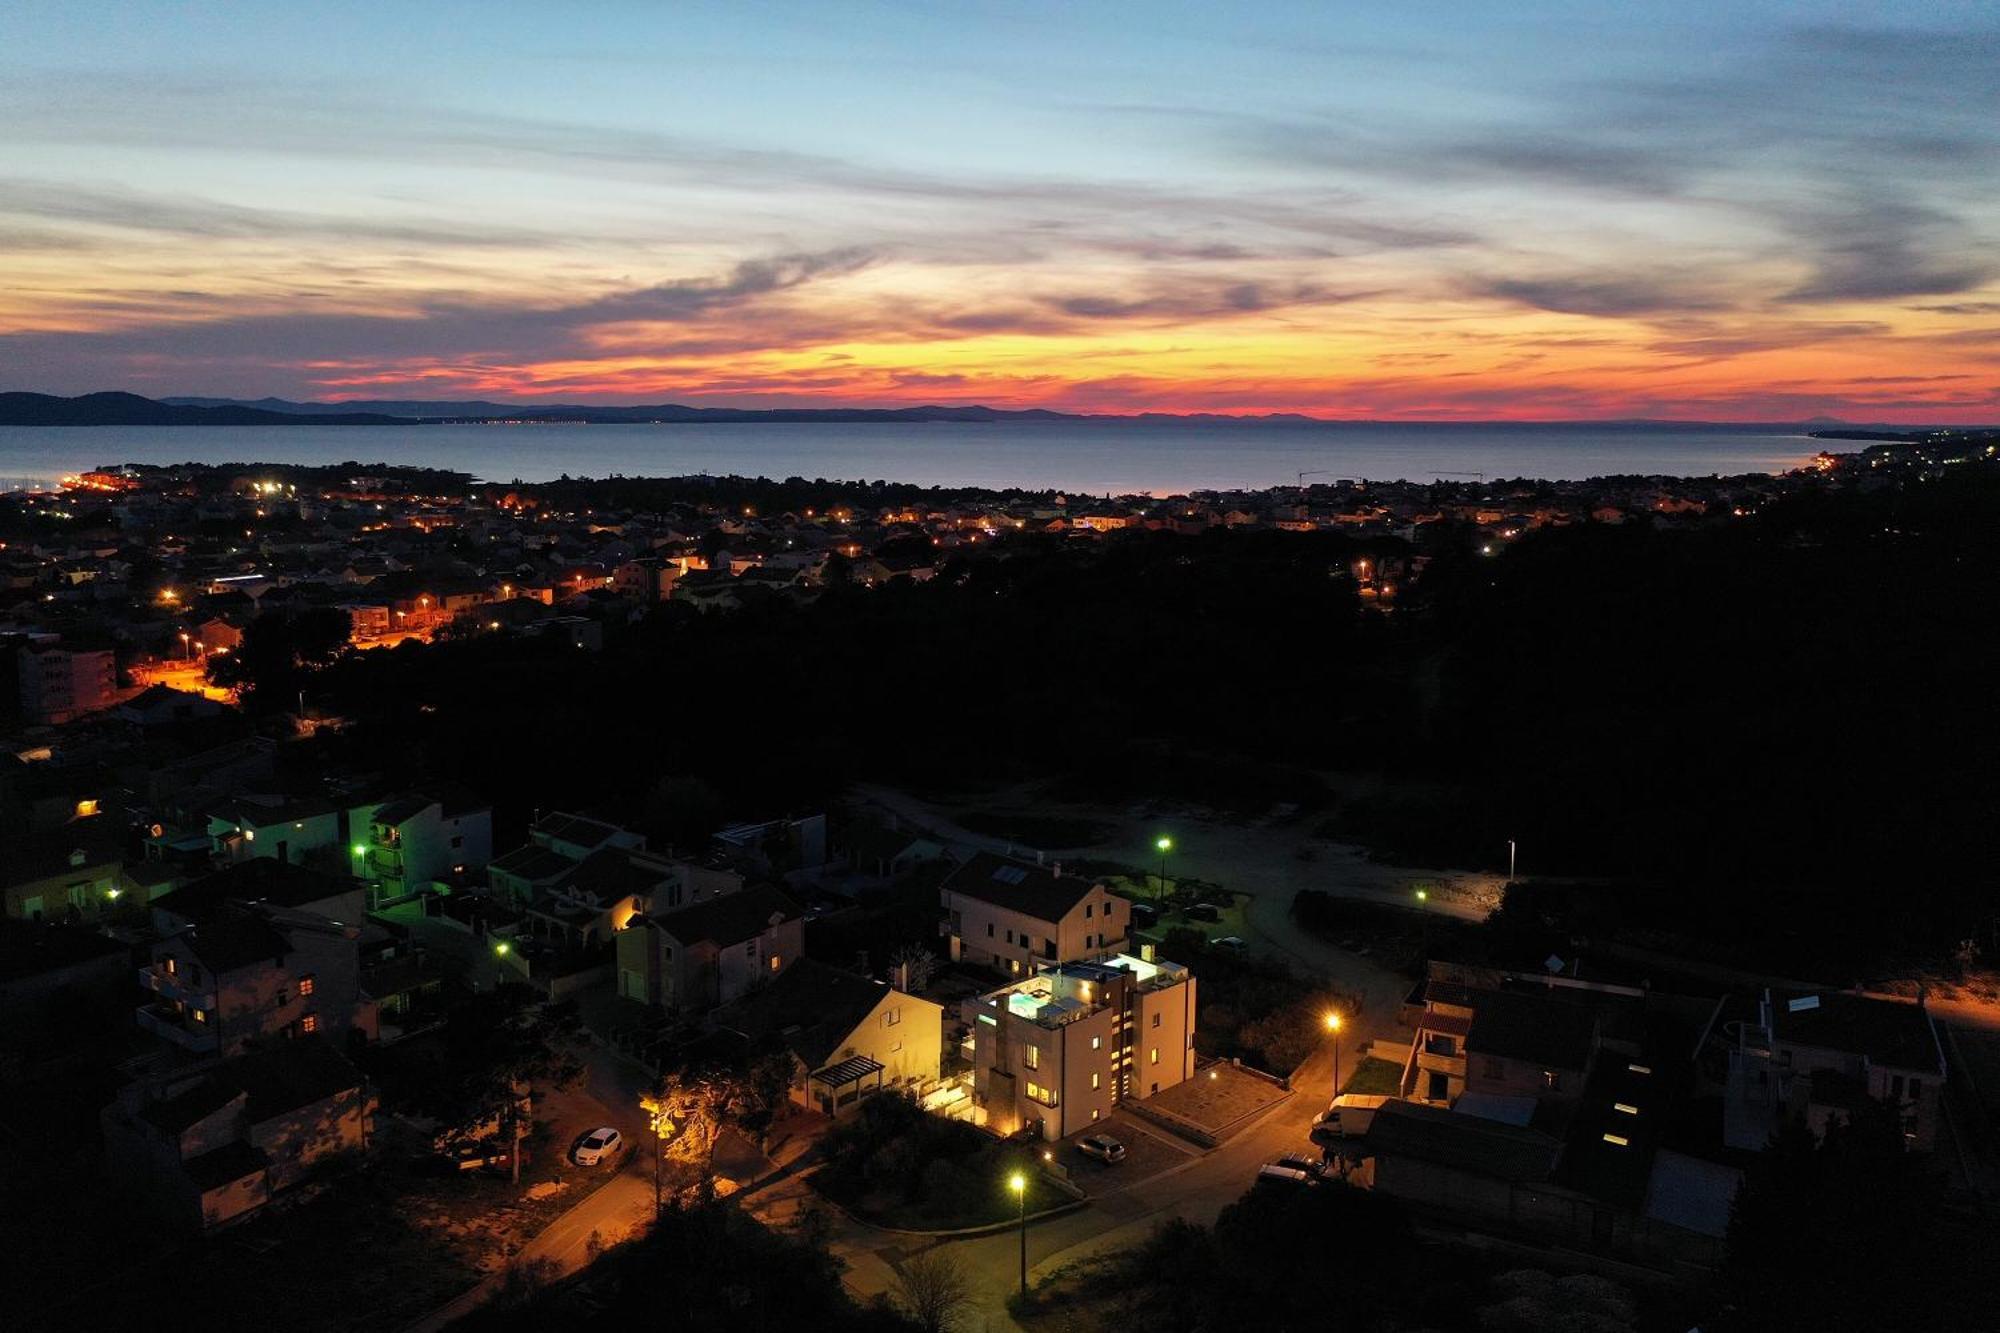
<point>1472,1035</point>
<point>1017,916</point>
<point>1062,1048</point>
<point>212,1146</point>
<point>691,959</point>
<point>250,975</point>
<point>850,1036</point>
<point>1820,1055</point>
<point>414,841</point>
<point>73,872</point>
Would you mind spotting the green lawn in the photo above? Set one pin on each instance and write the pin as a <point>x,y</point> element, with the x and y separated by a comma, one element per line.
<point>1375,1078</point>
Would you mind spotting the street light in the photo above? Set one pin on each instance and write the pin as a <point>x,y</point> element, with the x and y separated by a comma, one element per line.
<point>661,1126</point>
<point>1165,845</point>
<point>1333,1026</point>
<point>1019,1184</point>
<point>1510,860</point>
<point>500,952</point>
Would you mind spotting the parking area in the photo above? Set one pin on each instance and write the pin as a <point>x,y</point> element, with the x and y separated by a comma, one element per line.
<point>1148,1152</point>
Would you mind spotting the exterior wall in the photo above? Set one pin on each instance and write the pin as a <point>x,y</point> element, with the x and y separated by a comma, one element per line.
<point>1518,1078</point>
<point>1884,1083</point>
<point>739,967</point>
<point>88,889</point>
<point>278,842</point>
<point>57,685</point>
<point>1162,1038</point>
<point>904,1034</point>
<point>1015,942</point>
<point>654,968</point>
<point>299,1140</point>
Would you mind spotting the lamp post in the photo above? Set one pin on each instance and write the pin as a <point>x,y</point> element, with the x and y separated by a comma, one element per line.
<point>1333,1027</point>
<point>1018,1182</point>
<point>500,952</point>
<point>1164,844</point>
<point>1510,860</point>
<point>661,1124</point>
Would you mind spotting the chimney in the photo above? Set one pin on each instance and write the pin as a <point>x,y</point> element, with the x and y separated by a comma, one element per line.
<point>861,962</point>
<point>901,978</point>
<point>1058,870</point>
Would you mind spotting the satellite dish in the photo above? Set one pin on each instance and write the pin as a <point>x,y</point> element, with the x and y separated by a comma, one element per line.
<point>1554,964</point>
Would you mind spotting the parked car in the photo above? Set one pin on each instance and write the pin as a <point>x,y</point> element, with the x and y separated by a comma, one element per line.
<point>1285,1175</point>
<point>1203,912</point>
<point>1312,1166</point>
<point>1233,943</point>
<point>599,1145</point>
<point>1103,1147</point>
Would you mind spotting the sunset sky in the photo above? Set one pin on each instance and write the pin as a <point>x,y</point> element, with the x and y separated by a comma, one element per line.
<point>1424,211</point>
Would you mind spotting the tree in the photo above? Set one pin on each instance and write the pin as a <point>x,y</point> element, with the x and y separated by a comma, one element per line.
<point>280,652</point>
<point>490,1053</point>
<point>709,1091</point>
<point>921,965</point>
<point>932,1289</point>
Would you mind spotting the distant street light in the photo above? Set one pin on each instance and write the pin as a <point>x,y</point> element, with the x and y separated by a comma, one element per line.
<point>500,952</point>
<point>1019,1184</point>
<point>1165,845</point>
<point>1333,1026</point>
<point>1510,860</point>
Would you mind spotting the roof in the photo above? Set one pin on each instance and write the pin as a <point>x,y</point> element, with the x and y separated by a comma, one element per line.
<point>33,948</point>
<point>262,814</point>
<point>610,872</point>
<point>273,1081</point>
<point>46,854</point>
<point>1461,1142</point>
<point>729,919</point>
<point>811,1007</point>
<point>574,829</point>
<point>533,863</point>
<point>401,809</point>
<point>235,939</point>
<point>260,879</point>
<point>1889,1031</point>
<point>851,1070</point>
<point>1540,1029</point>
<point>225,1166</point>
<point>1019,886</point>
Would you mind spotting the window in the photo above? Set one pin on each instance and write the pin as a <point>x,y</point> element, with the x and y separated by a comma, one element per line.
<point>1031,1056</point>
<point>1038,1093</point>
<point>895,1047</point>
<point>305,987</point>
<point>1097,1043</point>
<point>1617,1140</point>
<point>1156,1055</point>
<point>892,1016</point>
<point>1095,1083</point>
<point>284,996</point>
<point>989,930</point>
<point>1916,1089</point>
<point>1436,1045</point>
<point>1552,1080</point>
<point>1010,937</point>
<point>1087,908</point>
<point>310,1023</point>
<point>1093,1113</point>
<point>201,1015</point>
<point>777,962</point>
<point>1156,1018</point>
<point>171,964</point>
<point>458,842</point>
<point>750,949</point>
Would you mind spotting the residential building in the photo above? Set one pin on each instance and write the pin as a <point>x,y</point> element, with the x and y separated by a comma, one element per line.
<point>253,974</point>
<point>849,1036</point>
<point>277,828</point>
<point>1819,1055</point>
<point>414,841</point>
<point>1016,916</point>
<point>691,959</point>
<point>73,872</point>
<point>1058,1051</point>
<point>1482,1039</point>
<point>212,1146</point>
<point>59,684</point>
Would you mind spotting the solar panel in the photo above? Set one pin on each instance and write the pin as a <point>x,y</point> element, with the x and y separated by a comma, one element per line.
<point>1010,874</point>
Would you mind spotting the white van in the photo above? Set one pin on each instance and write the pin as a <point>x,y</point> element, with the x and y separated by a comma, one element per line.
<point>1348,1117</point>
<point>1289,1175</point>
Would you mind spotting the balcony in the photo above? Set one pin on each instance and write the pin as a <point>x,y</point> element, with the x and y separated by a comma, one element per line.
<point>166,984</point>
<point>163,1021</point>
<point>1453,1065</point>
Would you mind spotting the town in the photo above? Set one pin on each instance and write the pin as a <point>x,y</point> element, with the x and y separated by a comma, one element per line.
<point>266,991</point>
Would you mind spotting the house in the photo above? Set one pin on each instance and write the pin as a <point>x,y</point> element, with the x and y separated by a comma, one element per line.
<point>777,846</point>
<point>413,841</point>
<point>691,959</point>
<point>262,881</point>
<point>212,1146</point>
<point>1494,1042</point>
<point>163,706</point>
<point>1060,1050</point>
<point>1015,916</point>
<point>277,828</point>
<point>59,684</point>
<point>580,881</point>
<point>253,974</point>
<point>849,1036</point>
<point>75,871</point>
<point>1818,1055</point>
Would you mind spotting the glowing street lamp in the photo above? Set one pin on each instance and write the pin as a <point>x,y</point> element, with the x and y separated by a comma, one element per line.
<point>1163,844</point>
<point>1332,1022</point>
<point>1018,1182</point>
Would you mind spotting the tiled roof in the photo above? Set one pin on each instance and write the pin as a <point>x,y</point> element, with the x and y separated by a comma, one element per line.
<point>729,919</point>
<point>1887,1030</point>
<point>1536,1028</point>
<point>1018,885</point>
<point>811,1007</point>
<point>1461,1142</point>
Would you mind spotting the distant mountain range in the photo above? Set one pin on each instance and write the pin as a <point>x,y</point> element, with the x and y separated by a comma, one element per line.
<point>126,409</point>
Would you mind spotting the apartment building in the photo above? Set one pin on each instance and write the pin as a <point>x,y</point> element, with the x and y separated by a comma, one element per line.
<point>1818,1055</point>
<point>252,974</point>
<point>1017,916</point>
<point>413,841</point>
<point>60,684</point>
<point>1059,1050</point>
<point>691,959</point>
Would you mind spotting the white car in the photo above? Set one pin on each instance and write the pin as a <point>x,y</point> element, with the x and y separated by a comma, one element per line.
<point>1103,1147</point>
<point>597,1146</point>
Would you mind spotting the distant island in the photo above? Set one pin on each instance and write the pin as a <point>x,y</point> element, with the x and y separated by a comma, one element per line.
<point>129,409</point>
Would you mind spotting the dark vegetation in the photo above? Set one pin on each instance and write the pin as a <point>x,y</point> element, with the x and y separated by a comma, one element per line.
<point>1253,1008</point>
<point>1779,720</point>
<point>698,1268</point>
<point>897,1164</point>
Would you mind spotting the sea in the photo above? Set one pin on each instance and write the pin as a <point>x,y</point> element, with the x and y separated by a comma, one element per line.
<point>1085,457</point>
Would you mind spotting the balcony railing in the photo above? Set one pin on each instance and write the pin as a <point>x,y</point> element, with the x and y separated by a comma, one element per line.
<point>165,983</point>
<point>163,1022</point>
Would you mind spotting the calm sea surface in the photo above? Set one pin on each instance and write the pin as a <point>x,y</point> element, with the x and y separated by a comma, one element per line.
<point>1097,458</point>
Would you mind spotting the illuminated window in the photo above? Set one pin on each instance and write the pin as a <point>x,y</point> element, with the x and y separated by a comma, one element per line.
<point>1097,1043</point>
<point>310,1023</point>
<point>1625,1107</point>
<point>201,1015</point>
<point>1552,1080</point>
<point>171,965</point>
<point>1617,1140</point>
<point>1156,1055</point>
<point>305,986</point>
<point>1094,1083</point>
<point>1038,1093</point>
<point>1639,1069</point>
<point>1156,1018</point>
<point>1031,1056</point>
<point>776,962</point>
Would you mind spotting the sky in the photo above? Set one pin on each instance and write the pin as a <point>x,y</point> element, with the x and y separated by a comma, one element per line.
<point>1740,211</point>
